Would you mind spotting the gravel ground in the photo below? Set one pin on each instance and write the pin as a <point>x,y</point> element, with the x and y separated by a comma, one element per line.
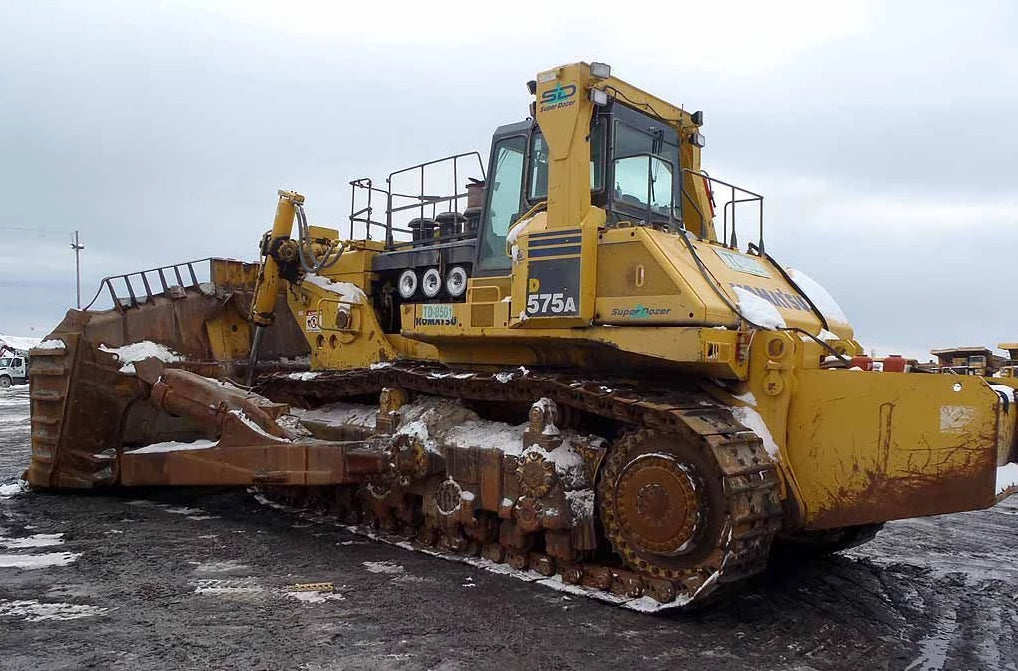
<point>199,579</point>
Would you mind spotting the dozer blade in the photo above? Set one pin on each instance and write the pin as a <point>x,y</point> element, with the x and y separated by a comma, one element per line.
<point>97,422</point>
<point>867,447</point>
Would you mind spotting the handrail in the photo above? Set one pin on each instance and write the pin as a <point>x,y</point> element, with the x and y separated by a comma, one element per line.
<point>134,297</point>
<point>753,197</point>
<point>397,202</point>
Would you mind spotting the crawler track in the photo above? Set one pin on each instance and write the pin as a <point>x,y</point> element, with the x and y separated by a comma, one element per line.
<point>737,468</point>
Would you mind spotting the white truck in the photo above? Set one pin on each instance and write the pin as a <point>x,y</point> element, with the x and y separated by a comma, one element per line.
<point>13,367</point>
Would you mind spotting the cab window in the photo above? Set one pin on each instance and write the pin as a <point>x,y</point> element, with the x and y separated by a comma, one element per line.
<point>645,182</point>
<point>503,201</point>
<point>644,168</point>
<point>537,168</point>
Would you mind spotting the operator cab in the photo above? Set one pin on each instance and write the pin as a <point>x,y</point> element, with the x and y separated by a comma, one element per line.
<point>634,177</point>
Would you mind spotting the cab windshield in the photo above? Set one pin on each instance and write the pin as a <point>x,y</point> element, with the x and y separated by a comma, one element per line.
<point>645,160</point>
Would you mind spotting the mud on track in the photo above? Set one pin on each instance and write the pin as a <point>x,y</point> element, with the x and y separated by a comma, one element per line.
<point>168,579</point>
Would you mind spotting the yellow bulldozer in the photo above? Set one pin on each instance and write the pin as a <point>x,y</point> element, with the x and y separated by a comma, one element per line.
<point>559,361</point>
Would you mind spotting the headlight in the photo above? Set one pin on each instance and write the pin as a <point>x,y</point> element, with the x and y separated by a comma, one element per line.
<point>407,284</point>
<point>599,97</point>
<point>600,70</point>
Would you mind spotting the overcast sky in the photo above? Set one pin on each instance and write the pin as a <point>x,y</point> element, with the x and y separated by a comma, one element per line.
<point>882,134</point>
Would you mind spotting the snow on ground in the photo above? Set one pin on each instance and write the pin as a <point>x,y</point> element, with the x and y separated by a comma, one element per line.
<point>234,587</point>
<point>313,597</point>
<point>38,561</point>
<point>219,566</point>
<point>382,567</point>
<point>22,560</point>
<point>146,349</point>
<point>33,541</point>
<point>757,310</point>
<point>31,610</point>
<point>11,489</point>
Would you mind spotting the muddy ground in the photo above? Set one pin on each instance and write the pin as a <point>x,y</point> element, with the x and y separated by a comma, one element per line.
<point>204,579</point>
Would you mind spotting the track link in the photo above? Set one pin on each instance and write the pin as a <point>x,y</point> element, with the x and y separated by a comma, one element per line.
<point>743,470</point>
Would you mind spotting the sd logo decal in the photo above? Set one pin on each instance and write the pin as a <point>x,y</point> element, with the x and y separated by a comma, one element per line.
<point>558,97</point>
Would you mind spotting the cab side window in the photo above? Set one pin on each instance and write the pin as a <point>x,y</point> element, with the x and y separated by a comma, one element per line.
<point>503,201</point>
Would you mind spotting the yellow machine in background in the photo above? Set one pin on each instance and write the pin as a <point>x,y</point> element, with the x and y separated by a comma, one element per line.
<point>675,402</point>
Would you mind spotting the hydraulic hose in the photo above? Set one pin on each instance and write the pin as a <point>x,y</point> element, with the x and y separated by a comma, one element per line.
<point>305,251</point>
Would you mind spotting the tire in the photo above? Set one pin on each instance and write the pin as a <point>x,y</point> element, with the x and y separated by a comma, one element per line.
<point>5,381</point>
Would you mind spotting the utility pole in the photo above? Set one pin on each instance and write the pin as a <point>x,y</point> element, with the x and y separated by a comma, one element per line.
<point>77,247</point>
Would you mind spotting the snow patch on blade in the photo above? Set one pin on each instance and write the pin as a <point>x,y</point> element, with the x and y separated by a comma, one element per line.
<point>139,351</point>
<point>174,447</point>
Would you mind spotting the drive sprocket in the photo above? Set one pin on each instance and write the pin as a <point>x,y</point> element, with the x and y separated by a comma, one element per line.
<point>663,505</point>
